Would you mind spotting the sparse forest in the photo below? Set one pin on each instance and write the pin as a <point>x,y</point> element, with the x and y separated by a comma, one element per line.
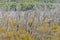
<point>29,19</point>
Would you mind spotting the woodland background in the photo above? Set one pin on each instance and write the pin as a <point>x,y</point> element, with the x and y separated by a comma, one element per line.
<point>29,19</point>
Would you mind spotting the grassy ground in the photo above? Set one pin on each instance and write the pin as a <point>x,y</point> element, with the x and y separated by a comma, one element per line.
<point>34,33</point>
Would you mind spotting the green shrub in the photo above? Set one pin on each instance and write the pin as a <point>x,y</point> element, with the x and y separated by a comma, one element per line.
<point>15,6</point>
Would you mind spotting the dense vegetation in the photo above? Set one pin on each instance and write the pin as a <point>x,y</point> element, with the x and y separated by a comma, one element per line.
<point>29,19</point>
<point>18,5</point>
<point>30,25</point>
